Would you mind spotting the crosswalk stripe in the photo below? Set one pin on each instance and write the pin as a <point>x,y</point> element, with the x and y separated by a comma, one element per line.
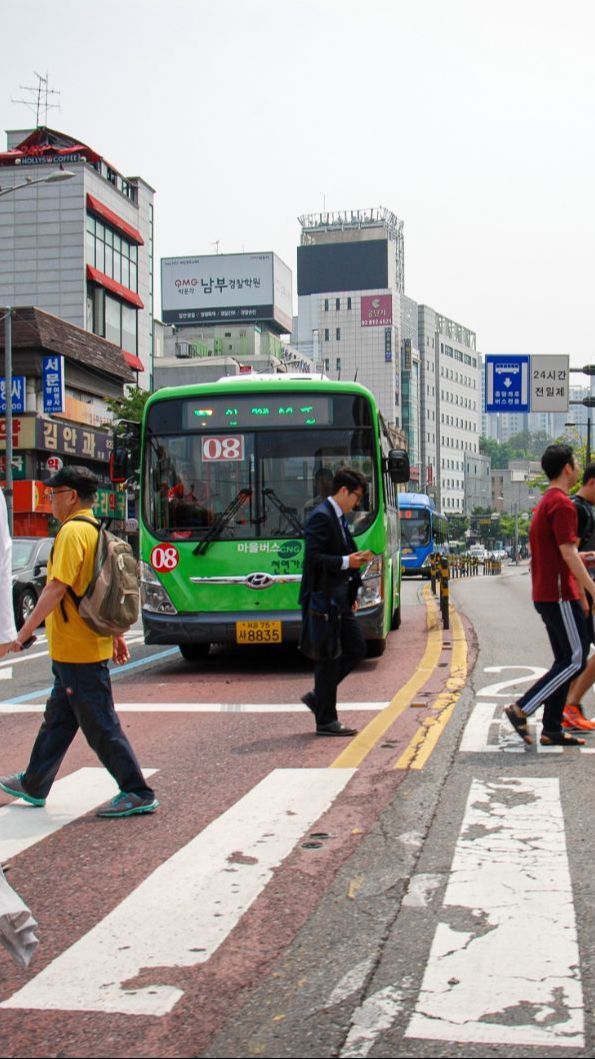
<point>203,707</point>
<point>187,907</point>
<point>23,825</point>
<point>503,967</point>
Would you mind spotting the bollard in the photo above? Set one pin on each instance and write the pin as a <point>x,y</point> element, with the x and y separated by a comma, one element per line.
<point>433,571</point>
<point>444,591</point>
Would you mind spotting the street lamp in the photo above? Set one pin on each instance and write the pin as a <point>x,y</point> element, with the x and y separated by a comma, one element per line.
<point>52,178</point>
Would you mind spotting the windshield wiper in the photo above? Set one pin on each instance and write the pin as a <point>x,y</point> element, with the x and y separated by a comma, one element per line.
<point>222,520</point>
<point>288,512</point>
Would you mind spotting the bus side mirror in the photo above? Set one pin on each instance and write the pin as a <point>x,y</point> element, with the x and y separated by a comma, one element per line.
<point>125,458</point>
<point>398,466</point>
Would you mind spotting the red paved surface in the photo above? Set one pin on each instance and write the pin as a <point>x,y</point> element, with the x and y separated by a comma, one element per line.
<point>206,763</point>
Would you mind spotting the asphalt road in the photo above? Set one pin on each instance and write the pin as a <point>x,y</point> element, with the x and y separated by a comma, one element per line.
<point>470,929</point>
<point>154,928</point>
<point>423,890</point>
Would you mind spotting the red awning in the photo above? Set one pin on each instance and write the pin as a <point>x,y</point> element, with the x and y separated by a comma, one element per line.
<point>133,361</point>
<point>112,218</point>
<point>115,287</point>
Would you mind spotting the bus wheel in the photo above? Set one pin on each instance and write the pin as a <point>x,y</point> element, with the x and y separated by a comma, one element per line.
<point>396,621</point>
<point>194,652</point>
<point>375,648</point>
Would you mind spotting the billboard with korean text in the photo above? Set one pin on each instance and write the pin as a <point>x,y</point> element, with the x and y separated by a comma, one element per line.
<point>226,288</point>
<point>376,310</point>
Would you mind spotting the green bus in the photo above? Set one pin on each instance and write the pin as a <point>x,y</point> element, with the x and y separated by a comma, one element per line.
<point>229,473</point>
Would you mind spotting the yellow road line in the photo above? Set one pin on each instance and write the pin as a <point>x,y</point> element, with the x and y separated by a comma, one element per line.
<point>363,743</point>
<point>416,755</point>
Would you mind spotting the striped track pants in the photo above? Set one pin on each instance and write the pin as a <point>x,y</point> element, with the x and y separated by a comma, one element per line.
<point>567,631</point>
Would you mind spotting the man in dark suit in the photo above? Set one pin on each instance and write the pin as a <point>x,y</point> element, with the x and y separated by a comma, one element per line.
<point>332,564</point>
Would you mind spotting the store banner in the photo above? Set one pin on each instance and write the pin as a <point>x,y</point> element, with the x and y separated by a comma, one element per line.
<point>53,390</point>
<point>19,395</point>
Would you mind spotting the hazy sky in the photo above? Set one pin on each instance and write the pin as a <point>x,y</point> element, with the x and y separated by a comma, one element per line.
<point>472,121</point>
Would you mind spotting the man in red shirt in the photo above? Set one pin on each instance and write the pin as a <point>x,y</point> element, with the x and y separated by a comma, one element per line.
<point>560,583</point>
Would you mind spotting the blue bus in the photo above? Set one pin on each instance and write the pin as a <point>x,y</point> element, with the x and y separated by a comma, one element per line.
<point>423,531</point>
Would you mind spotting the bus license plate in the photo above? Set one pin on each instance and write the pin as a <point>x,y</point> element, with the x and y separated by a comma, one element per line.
<point>258,632</point>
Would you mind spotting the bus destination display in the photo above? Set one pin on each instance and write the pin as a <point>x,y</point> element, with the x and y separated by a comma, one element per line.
<point>254,411</point>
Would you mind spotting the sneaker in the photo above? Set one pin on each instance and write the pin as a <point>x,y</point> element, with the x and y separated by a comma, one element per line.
<point>127,805</point>
<point>574,720</point>
<point>14,785</point>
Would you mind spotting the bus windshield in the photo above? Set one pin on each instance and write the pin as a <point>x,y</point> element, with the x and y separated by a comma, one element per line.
<point>415,527</point>
<point>247,484</point>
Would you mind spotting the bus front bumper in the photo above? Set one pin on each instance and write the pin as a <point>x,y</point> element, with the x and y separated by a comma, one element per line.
<point>191,628</point>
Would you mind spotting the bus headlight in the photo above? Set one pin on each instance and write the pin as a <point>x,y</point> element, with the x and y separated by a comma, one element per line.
<point>372,591</point>
<point>152,593</point>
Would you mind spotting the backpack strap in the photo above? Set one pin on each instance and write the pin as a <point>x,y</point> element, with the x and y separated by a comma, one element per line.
<point>76,599</point>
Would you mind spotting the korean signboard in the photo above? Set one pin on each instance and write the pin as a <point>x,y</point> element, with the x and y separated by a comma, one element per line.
<point>226,288</point>
<point>376,310</point>
<point>19,395</point>
<point>526,384</point>
<point>549,384</point>
<point>82,441</point>
<point>54,398</point>
<point>507,384</point>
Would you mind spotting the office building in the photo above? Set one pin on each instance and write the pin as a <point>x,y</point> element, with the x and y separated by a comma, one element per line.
<point>351,276</point>
<point>80,249</point>
<point>450,406</point>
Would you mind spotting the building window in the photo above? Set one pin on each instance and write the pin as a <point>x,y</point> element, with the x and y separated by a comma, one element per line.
<point>349,303</point>
<point>326,334</point>
<point>326,305</point>
<point>338,334</point>
<point>111,253</point>
<point>337,303</point>
<point>112,319</point>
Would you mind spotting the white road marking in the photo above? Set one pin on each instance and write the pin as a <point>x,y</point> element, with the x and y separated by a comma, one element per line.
<point>6,673</point>
<point>486,721</point>
<point>186,908</point>
<point>23,825</point>
<point>504,963</point>
<point>503,688</point>
<point>375,1016</point>
<point>203,707</point>
<point>421,889</point>
<point>350,982</point>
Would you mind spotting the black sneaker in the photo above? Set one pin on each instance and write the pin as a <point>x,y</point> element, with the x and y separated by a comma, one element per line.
<point>127,805</point>
<point>13,785</point>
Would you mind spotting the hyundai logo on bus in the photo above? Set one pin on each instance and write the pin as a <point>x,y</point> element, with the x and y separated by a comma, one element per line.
<point>259,580</point>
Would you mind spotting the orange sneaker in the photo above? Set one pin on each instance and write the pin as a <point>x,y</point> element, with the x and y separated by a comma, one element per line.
<point>574,720</point>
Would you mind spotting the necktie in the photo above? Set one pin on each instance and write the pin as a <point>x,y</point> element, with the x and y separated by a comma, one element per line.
<point>345,529</point>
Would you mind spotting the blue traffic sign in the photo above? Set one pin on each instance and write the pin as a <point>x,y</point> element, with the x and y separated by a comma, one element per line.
<point>507,384</point>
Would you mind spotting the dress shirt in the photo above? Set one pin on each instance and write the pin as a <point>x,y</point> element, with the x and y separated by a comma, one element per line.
<point>340,516</point>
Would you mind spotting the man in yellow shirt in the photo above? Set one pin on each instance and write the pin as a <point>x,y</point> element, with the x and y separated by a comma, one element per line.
<point>82,693</point>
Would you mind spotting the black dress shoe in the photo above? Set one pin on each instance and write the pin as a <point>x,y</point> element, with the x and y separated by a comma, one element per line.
<point>309,700</point>
<point>335,728</point>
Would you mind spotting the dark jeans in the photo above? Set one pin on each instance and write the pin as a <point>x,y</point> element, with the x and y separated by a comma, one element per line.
<point>567,630</point>
<point>327,675</point>
<point>82,698</point>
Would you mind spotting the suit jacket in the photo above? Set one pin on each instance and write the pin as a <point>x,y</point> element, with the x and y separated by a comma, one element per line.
<point>325,548</point>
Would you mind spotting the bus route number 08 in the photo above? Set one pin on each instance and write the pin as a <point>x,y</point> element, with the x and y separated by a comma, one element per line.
<point>164,558</point>
<point>219,448</point>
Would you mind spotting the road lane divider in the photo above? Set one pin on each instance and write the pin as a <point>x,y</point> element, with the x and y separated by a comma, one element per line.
<point>203,707</point>
<point>366,740</point>
<point>183,911</point>
<point>420,747</point>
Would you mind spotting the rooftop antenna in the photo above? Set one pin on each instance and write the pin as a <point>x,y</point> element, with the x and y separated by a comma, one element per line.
<point>39,101</point>
<point>216,245</point>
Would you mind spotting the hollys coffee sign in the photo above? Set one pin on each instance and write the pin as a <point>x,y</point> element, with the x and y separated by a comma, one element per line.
<point>377,310</point>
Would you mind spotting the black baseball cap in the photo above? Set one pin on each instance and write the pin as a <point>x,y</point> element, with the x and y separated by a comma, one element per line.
<point>81,479</point>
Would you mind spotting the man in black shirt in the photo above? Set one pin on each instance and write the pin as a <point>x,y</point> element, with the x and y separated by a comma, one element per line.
<point>573,718</point>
